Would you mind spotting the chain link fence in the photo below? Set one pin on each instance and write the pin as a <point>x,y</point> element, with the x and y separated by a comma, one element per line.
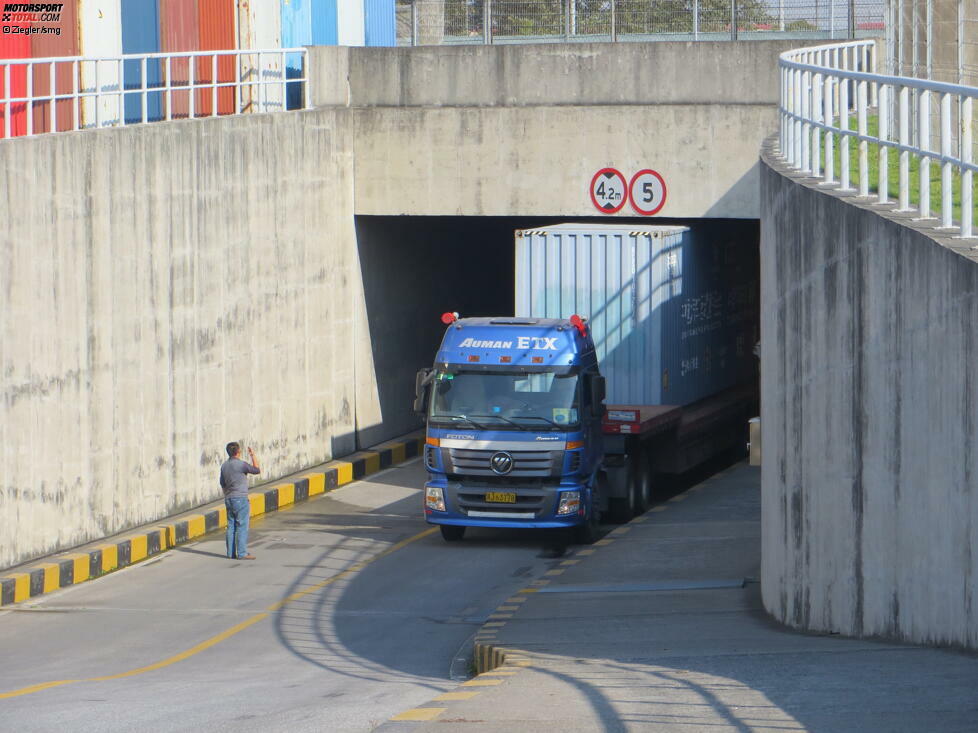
<point>934,40</point>
<point>437,22</point>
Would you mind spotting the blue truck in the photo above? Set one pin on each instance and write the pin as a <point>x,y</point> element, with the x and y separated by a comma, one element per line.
<point>523,428</point>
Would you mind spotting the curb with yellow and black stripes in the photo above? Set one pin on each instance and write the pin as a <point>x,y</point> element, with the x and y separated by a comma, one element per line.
<point>61,571</point>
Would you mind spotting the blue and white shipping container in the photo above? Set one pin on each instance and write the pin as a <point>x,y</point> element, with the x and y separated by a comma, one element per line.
<point>673,313</point>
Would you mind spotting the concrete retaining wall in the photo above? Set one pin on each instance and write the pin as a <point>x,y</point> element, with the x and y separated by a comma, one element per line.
<point>166,289</point>
<point>520,130</point>
<point>868,341</point>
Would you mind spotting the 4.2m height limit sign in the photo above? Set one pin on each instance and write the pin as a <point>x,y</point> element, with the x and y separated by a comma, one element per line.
<point>646,191</point>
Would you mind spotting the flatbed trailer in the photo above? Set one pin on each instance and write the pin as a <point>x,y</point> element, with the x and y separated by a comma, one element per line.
<point>645,443</point>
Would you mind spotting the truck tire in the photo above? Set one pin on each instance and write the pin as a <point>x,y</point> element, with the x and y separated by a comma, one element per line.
<point>643,487</point>
<point>451,533</point>
<point>588,533</point>
<point>622,508</point>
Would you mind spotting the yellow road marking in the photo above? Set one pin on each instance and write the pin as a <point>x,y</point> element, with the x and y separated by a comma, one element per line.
<point>658,509</point>
<point>500,615</point>
<point>420,714</point>
<point>286,494</point>
<point>317,483</point>
<point>555,571</point>
<point>638,520</point>
<point>455,696</point>
<point>681,497</point>
<point>137,548</point>
<point>479,682</point>
<point>515,599</point>
<point>570,562</point>
<point>528,590</point>
<point>80,566</point>
<point>588,551</point>
<point>508,608</point>
<point>344,473</point>
<point>196,526</point>
<point>52,576</point>
<point>492,624</point>
<point>622,530</point>
<point>604,542</point>
<point>228,633</point>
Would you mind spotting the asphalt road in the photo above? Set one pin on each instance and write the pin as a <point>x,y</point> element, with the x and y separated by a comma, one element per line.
<point>354,611</point>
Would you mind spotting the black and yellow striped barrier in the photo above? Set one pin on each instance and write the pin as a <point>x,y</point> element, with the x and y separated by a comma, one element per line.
<point>62,571</point>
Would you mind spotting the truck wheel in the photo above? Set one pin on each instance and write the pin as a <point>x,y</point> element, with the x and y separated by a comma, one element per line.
<point>643,488</point>
<point>451,533</point>
<point>588,533</point>
<point>622,508</point>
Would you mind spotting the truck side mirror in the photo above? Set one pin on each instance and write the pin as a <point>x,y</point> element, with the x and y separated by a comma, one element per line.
<point>597,393</point>
<point>421,381</point>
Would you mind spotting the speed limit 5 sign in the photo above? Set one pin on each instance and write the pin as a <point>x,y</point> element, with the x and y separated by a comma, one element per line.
<point>647,192</point>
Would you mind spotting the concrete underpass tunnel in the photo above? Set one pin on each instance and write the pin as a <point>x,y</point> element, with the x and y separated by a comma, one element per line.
<point>414,268</point>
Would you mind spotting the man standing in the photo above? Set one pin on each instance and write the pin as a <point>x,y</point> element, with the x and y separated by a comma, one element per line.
<point>234,481</point>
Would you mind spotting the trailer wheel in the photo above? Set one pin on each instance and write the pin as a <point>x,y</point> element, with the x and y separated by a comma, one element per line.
<point>451,533</point>
<point>643,487</point>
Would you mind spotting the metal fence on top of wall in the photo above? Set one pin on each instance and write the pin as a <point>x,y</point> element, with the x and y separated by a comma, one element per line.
<point>933,39</point>
<point>452,22</point>
<point>60,94</point>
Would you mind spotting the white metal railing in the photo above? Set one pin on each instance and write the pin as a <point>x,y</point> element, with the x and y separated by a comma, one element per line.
<point>57,94</point>
<point>823,87</point>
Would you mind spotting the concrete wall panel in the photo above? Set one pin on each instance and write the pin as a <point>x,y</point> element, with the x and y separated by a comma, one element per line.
<point>519,161</point>
<point>167,289</point>
<point>870,508</point>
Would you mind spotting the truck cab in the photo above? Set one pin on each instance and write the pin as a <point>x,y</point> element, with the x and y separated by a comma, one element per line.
<point>514,438</point>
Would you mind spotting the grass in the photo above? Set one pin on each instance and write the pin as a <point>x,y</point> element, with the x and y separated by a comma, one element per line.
<point>893,173</point>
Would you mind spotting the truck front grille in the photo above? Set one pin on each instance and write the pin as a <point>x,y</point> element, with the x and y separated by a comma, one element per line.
<point>526,463</point>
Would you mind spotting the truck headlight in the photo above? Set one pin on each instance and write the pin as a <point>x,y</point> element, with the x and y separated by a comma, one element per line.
<point>570,502</point>
<point>434,498</point>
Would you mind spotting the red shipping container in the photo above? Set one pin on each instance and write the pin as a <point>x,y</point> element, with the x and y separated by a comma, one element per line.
<point>179,33</point>
<point>14,46</point>
<point>47,45</point>
<point>216,23</point>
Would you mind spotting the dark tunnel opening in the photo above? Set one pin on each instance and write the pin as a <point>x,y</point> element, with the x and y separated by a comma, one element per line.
<point>414,268</point>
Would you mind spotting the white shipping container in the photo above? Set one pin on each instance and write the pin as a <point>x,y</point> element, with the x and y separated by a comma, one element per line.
<point>260,27</point>
<point>101,36</point>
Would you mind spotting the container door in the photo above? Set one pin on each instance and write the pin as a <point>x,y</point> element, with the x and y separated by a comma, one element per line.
<point>141,34</point>
<point>379,24</point>
<point>14,46</point>
<point>216,20</point>
<point>101,37</point>
<point>52,79</point>
<point>296,31</point>
<point>260,28</point>
<point>178,33</point>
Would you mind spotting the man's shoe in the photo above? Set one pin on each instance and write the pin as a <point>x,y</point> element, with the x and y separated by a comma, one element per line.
<point>247,557</point>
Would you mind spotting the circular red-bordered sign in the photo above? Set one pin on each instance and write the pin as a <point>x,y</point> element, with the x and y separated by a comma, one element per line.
<point>647,192</point>
<point>609,191</point>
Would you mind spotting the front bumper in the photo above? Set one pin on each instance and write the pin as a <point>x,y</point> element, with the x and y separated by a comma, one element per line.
<point>535,508</point>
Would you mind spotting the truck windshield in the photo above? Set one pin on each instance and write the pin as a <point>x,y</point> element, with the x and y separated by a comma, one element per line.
<point>506,401</point>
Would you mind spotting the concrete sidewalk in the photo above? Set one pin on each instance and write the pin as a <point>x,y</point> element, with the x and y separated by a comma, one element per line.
<point>660,627</point>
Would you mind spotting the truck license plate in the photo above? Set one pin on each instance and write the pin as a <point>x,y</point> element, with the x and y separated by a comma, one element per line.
<point>501,497</point>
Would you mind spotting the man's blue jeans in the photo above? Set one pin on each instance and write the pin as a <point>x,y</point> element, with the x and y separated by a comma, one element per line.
<point>239,511</point>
